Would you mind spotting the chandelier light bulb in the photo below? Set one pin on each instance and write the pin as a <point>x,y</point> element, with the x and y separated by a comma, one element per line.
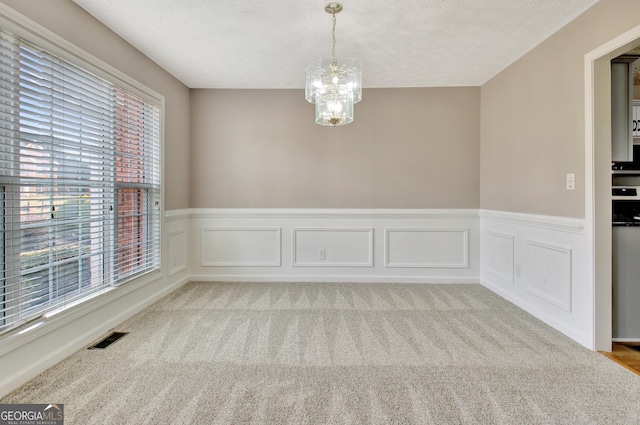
<point>335,108</point>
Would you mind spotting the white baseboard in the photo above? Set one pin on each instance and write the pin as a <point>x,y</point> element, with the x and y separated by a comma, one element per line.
<point>549,319</point>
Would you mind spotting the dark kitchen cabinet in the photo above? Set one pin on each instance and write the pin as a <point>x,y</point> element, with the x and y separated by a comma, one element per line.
<point>622,108</point>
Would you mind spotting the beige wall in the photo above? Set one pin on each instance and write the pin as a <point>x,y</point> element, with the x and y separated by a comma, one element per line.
<point>532,124</point>
<point>69,21</point>
<point>407,148</point>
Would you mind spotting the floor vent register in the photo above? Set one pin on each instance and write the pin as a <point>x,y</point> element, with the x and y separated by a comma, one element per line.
<point>108,340</point>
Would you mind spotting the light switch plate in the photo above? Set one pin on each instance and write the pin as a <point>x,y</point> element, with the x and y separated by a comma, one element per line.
<point>571,181</point>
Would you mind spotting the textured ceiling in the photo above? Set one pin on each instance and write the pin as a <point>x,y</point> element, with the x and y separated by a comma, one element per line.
<point>404,43</point>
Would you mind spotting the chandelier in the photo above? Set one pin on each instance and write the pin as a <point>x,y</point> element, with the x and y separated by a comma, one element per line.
<point>334,84</point>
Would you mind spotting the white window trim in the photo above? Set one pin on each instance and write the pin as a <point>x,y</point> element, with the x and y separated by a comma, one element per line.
<point>33,32</point>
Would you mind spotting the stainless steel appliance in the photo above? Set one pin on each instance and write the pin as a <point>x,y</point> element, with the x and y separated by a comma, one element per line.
<point>626,263</point>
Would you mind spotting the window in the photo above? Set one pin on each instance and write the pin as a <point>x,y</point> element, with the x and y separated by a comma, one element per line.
<point>79,182</point>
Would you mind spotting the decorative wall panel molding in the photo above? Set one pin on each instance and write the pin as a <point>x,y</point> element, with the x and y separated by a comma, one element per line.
<point>426,247</point>
<point>549,273</point>
<point>240,247</point>
<point>177,250</point>
<point>499,255</point>
<point>333,247</point>
<point>548,276</point>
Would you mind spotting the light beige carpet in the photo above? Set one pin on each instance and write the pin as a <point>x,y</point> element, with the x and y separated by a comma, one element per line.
<point>308,353</point>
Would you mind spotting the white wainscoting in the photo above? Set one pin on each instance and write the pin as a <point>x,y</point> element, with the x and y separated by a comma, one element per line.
<point>353,245</point>
<point>549,275</point>
<point>536,262</point>
<point>177,250</point>
<point>427,248</point>
<point>539,263</point>
<point>499,255</point>
<point>333,247</point>
<point>240,247</point>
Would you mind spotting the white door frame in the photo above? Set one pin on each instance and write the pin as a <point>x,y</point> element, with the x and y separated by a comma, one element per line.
<point>597,80</point>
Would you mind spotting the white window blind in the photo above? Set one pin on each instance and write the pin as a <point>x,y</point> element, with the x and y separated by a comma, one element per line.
<point>137,184</point>
<point>79,183</point>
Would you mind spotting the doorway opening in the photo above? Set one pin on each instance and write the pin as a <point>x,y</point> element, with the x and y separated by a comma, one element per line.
<point>598,181</point>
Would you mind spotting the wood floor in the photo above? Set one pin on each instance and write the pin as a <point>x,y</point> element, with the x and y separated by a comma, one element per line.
<point>625,356</point>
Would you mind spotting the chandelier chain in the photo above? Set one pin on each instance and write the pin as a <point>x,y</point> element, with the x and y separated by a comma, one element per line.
<point>333,39</point>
